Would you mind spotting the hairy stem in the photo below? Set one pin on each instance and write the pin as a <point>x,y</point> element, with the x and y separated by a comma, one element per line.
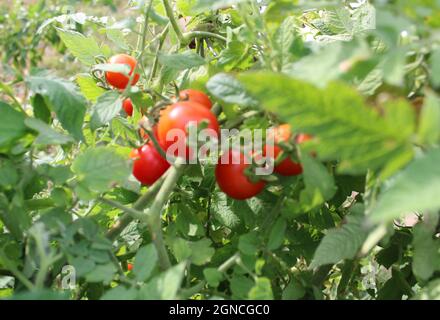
<point>133,212</point>
<point>162,38</point>
<point>154,212</point>
<point>173,21</point>
<point>139,205</point>
<point>202,34</point>
<point>373,239</point>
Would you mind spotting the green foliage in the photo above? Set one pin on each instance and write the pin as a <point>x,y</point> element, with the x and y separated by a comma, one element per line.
<point>13,127</point>
<point>360,222</point>
<point>403,193</point>
<point>63,98</point>
<point>339,244</point>
<point>347,130</point>
<point>98,169</point>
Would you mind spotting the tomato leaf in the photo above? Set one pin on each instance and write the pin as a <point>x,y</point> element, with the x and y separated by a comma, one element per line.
<point>64,99</point>
<point>106,108</point>
<point>46,135</point>
<point>12,125</point>
<point>345,128</point>
<point>341,243</point>
<point>145,262</point>
<point>100,168</point>
<point>415,189</point>
<point>84,48</point>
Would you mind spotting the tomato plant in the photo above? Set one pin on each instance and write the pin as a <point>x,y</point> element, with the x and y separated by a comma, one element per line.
<point>232,179</point>
<point>195,96</point>
<point>286,167</point>
<point>118,79</point>
<point>127,105</point>
<point>180,116</point>
<point>148,164</point>
<point>91,209</point>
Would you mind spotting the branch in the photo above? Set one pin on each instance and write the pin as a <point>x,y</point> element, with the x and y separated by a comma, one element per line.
<point>373,239</point>
<point>162,38</point>
<point>154,212</point>
<point>135,214</point>
<point>187,293</point>
<point>139,205</point>
<point>202,34</point>
<point>176,28</point>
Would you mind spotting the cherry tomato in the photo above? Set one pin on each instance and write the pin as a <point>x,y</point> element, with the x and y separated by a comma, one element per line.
<point>287,167</point>
<point>179,116</point>
<point>127,105</point>
<point>232,180</point>
<point>119,80</point>
<point>195,96</point>
<point>148,164</point>
<point>129,266</point>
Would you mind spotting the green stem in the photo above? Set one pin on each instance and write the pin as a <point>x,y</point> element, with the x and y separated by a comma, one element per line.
<point>229,263</point>
<point>17,273</point>
<point>145,29</point>
<point>154,140</point>
<point>131,211</point>
<point>373,239</point>
<point>203,34</point>
<point>156,58</point>
<point>139,205</point>
<point>187,293</point>
<point>154,212</point>
<point>139,58</point>
<point>173,21</point>
<point>235,123</point>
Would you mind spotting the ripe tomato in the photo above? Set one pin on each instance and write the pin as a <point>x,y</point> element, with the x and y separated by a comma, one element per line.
<point>129,266</point>
<point>127,105</point>
<point>148,164</point>
<point>287,167</point>
<point>179,116</point>
<point>119,80</point>
<point>195,96</point>
<point>232,180</point>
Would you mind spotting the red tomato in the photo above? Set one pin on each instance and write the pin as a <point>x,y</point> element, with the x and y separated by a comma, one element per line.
<point>129,266</point>
<point>119,80</point>
<point>287,167</point>
<point>148,164</point>
<point>127,105</point>
<point>232,180</point>
<point>195,96</point>
<point>178,116</point>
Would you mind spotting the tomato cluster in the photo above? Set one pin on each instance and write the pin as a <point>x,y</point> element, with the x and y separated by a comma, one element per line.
<point>232,175</point>
<point>194,108</point>
<point>179,116</point>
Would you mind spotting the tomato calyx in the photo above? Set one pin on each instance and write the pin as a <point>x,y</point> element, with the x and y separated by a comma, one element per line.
<point>195,96</point>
